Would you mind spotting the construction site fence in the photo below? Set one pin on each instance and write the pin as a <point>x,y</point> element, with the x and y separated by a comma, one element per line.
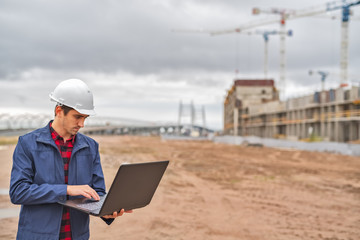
<point>331,147</point>
<point>186,138</point>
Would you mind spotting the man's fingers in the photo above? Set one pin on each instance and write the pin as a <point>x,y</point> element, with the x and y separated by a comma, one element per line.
<point>86,195</point>
<point>88,192</point>
<point>121,212</point>
<point>114,215</point>
<point>117,214</point>
<point>94,194</point>
<point>84,190</point>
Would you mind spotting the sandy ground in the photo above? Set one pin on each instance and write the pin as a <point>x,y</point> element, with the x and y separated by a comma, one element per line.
<point>217,191</point>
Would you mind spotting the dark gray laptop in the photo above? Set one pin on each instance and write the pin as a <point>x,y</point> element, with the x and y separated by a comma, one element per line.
<point>133,187</point>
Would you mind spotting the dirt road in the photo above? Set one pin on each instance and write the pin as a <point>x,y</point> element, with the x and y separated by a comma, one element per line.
<point>217,191</point>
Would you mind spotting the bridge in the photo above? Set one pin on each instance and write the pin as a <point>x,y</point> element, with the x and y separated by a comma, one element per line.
<point>18,124</point>
<point>157,129</point>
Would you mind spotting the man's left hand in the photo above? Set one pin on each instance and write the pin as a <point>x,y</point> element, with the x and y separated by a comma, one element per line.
<point>117,214</point>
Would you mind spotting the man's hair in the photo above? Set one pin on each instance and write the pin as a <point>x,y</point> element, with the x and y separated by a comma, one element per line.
<point>66,109</point>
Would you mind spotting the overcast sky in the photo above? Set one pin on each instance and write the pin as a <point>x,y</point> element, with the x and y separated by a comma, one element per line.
<point>137,67</point>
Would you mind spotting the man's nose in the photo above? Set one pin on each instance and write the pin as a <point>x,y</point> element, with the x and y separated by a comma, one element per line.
<point>81,122</point>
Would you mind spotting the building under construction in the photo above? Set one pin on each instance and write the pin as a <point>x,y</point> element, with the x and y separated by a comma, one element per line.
<point>252,107</point>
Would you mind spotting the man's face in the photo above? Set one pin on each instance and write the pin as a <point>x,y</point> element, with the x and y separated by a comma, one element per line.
<point>72,122</point>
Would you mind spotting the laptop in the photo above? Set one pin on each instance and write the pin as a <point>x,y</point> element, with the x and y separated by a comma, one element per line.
<point>133,187</point>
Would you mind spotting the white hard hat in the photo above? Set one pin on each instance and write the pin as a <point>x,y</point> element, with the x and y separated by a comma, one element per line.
<point>76,94</point>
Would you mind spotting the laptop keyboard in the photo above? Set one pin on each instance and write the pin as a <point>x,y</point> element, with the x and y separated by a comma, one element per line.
<point>92,205</point>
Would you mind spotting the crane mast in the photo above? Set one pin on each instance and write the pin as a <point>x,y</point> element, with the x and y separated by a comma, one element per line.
<point>265,34</point>
<point>330,6</point>
<point>286,14</point>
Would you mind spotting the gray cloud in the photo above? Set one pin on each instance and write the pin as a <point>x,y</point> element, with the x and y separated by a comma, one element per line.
<point>130,45</point>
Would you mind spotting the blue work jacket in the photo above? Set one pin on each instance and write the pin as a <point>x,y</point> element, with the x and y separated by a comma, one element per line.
<point>38,183</point>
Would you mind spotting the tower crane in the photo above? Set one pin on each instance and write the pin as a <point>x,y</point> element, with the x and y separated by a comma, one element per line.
<point>330,6</point>
<point>265,34</point>
<point>344,39</point>
<point>286,14</point>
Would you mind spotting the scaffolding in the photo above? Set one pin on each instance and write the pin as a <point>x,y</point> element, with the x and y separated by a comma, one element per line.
<point>332,115</point>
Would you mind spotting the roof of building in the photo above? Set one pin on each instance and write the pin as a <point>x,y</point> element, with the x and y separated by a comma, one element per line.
<point>254,82</point>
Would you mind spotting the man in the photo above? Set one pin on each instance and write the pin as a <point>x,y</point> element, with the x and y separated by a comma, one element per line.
<point>57,162</point>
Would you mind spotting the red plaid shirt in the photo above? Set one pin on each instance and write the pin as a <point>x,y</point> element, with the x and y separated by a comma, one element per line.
<point>65,149</point>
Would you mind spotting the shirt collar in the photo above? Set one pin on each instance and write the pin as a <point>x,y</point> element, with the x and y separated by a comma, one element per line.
<point>56,136</point>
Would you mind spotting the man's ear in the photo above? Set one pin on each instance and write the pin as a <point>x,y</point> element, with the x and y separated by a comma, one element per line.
<point>59,111</point>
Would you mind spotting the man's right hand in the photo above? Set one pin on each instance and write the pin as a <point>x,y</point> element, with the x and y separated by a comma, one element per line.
<point>84,190</point>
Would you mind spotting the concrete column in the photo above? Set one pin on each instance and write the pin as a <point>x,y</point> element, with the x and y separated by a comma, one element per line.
<point>330,122</point>
<point>304,130</point>
<point>274,126</point>
<point>322,115</point>
<point>268,127</point>
<point>336,131</point>
<point>236,121</point>
<point>336,124</point>
<point>297,130</point>
<point>287,126</point>
<point>352,129</point>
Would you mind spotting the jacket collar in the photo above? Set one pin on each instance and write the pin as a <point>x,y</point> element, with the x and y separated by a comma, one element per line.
<point>45,137</point>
